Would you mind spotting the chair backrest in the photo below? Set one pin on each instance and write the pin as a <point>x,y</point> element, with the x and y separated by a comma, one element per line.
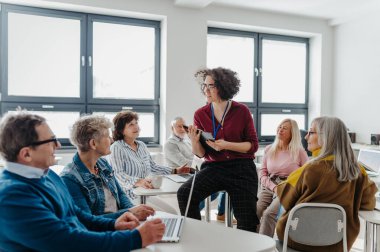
<point>316,224</point>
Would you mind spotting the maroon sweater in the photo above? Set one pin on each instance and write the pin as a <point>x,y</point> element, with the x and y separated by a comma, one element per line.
<point>238,127</point>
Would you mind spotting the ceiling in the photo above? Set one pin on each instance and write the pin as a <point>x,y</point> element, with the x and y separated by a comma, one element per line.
<point>335,11</point>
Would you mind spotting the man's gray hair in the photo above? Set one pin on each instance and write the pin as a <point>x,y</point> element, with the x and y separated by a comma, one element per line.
<point>177,118</point>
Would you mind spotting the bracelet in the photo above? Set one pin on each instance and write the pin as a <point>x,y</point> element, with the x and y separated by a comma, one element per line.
<point>175,171</point>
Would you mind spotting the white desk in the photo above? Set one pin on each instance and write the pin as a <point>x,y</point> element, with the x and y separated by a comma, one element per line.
<point>372,230</point>
<point>168,187</point>
<point>198,236</point>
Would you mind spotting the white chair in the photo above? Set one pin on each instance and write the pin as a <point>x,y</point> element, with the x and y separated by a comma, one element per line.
<point>315,224</point>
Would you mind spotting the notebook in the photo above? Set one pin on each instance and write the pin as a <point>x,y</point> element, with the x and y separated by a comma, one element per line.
<point>370,159</point>
<point>174,225</point>
<point>179,178</point>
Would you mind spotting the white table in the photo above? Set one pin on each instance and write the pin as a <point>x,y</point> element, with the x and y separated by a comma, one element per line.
<point>372,230</point>
<point>168,187</point>
<point>198,236</point>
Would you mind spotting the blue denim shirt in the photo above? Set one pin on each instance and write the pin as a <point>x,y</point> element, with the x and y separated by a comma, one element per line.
<point>87,191</point>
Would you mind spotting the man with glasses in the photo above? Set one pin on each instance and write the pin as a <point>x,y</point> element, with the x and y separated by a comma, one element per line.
<point>37,212</point>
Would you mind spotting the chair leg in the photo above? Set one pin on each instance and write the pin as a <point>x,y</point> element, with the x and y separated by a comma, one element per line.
<point>207,209</point>
<point>229,211</point>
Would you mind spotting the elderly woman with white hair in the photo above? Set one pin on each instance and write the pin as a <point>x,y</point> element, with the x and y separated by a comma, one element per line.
<point>331,176</point>
<point>285,155</point>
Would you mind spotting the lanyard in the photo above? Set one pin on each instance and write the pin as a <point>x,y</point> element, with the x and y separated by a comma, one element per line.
<point>215,130</point>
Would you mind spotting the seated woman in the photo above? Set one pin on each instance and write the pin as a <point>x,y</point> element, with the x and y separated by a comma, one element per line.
<point>131,159</point>
<point>90,178</point>
<point>331,176</point>
<point>285,155</point>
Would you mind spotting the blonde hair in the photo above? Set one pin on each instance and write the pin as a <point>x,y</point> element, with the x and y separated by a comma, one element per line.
<point>294,145</point>
<point>334,139</point>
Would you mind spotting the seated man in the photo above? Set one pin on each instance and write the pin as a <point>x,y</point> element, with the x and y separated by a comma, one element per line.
<point>177,148</point>
<point>37,212</point>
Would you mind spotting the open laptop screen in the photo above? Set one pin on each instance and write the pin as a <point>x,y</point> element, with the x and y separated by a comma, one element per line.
<point>370,159</point>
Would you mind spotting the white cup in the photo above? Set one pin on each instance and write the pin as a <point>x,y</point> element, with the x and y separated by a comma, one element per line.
<point>156,182</point>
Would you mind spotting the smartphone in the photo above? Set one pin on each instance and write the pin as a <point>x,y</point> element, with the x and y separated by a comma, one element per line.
<point>187,128</point>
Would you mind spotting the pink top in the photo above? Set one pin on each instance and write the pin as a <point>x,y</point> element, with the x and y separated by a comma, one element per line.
<point>282,165</point>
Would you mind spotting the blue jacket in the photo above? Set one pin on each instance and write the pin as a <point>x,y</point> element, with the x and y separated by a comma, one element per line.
<point>38,214</point>
<point>87,189</point>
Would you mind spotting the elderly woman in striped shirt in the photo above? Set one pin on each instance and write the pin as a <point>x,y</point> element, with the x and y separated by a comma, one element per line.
<point>130,157</point>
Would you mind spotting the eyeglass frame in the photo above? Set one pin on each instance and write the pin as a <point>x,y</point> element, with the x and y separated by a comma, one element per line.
<point>37,143</point>
<point>205,86</point>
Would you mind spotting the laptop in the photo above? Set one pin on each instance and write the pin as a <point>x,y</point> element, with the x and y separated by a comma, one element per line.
<point>377,206</point>
<point>174,225</point>
<point>370,159</point>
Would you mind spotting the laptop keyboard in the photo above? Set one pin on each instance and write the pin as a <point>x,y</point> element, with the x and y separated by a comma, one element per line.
<point>169,226</point>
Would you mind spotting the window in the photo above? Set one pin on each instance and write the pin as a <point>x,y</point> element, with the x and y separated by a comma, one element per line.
<point>273,71</point>
<point>147,119</point>
<point>61,64</point>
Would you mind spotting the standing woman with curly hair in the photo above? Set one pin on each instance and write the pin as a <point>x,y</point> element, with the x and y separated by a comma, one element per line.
<point>228,162</point>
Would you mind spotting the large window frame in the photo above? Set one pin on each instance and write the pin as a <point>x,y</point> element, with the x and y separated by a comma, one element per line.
<point>85,103</point>
<point>257,107</point>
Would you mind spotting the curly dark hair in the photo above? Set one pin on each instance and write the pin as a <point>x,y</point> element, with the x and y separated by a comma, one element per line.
<point>119,122</point>
<point>226,81</point>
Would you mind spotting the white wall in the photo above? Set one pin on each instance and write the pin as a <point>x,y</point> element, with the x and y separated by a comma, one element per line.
<point>357,76</point>
<point>184,44</point>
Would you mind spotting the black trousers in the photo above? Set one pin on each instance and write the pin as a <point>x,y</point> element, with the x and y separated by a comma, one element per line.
<point>237,177</point>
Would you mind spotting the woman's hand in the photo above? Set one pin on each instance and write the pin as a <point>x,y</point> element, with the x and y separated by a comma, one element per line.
<point>218,145</point>
<point>144,183</point>
<point>193,133</point>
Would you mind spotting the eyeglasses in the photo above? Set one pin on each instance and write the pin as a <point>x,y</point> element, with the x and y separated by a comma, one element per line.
<point>55,140</point>
<point>311,133</point>
<point>205,86</point>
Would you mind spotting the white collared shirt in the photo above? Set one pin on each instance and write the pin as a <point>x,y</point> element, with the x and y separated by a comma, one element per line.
<point>178,151</point>
<point>25,170</point>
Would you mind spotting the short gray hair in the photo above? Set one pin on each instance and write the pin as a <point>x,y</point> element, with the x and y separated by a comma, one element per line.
<point>334,139</point>
<point>86,128</point>
<point>177,118</point>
